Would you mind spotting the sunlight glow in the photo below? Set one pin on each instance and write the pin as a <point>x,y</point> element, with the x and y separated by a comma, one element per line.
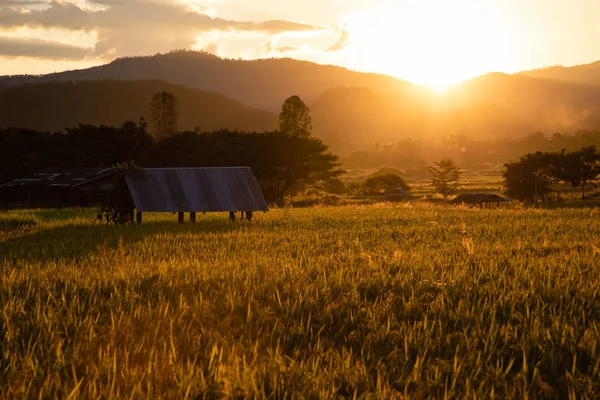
<point>433,42</point>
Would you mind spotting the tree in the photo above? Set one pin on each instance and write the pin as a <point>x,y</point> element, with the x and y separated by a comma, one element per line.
<point>334,186</point>
<point>531,176</point>
<point>579,167</point>
<point>294,118</point>
<point>279,161</point>
<point>444,177</point>
<point>164,114</point>
<point>384,183</point>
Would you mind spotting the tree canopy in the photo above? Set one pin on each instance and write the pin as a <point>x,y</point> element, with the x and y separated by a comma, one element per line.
<point>295,119</point>
<point>279,161</point>
<point>164,114</point>
<point>530,177</point>
<point>384,184</point>
<point>444,177</point>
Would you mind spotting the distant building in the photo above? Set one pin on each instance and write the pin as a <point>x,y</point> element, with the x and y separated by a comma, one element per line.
<point>480,199</point>
<point>195,190</point>
<point>59,187</point>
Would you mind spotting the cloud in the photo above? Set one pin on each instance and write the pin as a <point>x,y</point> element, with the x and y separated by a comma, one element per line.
<point>138,27</point>
<point>343,41</point>
<point>57,15</point>
<point>37,48</point>
<point>271,48</point>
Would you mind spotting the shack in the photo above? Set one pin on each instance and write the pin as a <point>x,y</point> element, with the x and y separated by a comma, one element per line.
<point>59,187</point>
<point>195,190</point>
<point>481,199</point>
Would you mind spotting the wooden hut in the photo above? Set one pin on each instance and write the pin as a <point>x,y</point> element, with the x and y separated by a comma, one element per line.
<point>483,200</point>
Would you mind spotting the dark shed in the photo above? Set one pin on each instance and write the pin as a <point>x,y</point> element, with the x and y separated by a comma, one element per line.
<point>480,199</point>
<point>56,187</point>
<point>179,190</point>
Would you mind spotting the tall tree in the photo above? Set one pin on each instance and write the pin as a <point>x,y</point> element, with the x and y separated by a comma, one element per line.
<point>164,114</point>
<point>531,176</point>
<point>579,167</point>
<point>295,119</point>
<point>444,177</point>
<point>384,183</point>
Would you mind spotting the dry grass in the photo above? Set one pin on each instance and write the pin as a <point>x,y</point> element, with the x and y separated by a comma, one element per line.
<point>384,301</point>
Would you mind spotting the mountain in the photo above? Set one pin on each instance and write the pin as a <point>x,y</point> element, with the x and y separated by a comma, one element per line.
<point>347,107</point>
<point>531,104</point>
<point>585,73</point>
<point>54,106</point>
<point>488,107</point>
<point>262,83</point>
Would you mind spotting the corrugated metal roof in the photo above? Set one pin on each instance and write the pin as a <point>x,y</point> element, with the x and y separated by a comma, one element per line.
<point>196,190</point>
<point>478,198</point>
<point>63,177</point>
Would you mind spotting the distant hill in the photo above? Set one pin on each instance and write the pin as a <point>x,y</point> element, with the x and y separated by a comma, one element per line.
<point>262,83</point>
<point>585,73</point>
<point>492,106</point>
<point>539,104</point>
<point>347,107</point>
<point>54,106</point>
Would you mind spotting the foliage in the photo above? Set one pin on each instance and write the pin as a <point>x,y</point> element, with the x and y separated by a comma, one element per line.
<point>24,151</point>
<point>444,177</point>
<point>579,167</point>
<point>164,114</point>
<point>279,161</point>
<point>385,301</point>
<point>379,184</point>
<point>531,176</point>
<point>333,186</point>
<point>294,118</point>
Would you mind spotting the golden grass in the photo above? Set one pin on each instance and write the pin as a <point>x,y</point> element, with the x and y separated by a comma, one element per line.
<point>405,301</point>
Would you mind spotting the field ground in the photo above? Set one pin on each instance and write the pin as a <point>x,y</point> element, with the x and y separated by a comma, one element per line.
<point>387,301</point>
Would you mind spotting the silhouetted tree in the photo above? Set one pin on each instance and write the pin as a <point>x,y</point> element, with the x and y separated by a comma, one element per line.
<point>164,114</point>
<point>444,177</point>
<point>278,161</point>
<point>295,119</point>
<point>579,167</point>
<point>333,186</point>
<point>384,183</point>
<point>530,177</point>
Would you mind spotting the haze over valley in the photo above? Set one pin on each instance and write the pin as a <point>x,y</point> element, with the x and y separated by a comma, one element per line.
<point>346,106</point>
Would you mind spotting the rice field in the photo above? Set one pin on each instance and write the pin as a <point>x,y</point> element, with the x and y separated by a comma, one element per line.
<point>381,301</point>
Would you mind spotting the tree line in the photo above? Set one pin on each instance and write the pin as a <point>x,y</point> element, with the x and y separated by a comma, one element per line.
<point>280,160</point>
<point>531,177</point>
<point>465,150</point>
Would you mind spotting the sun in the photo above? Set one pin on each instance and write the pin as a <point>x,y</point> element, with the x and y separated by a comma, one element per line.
<point>435,43</point>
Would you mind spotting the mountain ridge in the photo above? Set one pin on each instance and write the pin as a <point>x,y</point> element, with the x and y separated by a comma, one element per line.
<point>347,106</point>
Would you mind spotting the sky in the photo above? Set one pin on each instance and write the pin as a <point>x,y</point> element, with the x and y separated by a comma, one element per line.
<point>430,42</point>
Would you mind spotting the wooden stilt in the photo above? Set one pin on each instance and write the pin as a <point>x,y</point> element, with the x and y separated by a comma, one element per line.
<point>231,216</point>
<point>193,217</point>
<point>249,215</point>
<point>138,217</point>
<point>180,217</point>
